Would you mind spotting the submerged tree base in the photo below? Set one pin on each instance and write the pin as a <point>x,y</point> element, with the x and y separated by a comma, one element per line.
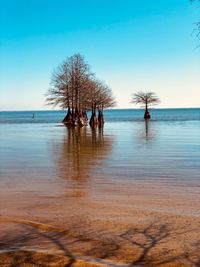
<point>80,119</point>
<point>100,119</point>
<point>73,119</point>
<point>147,115</point>
<point>93,120</point>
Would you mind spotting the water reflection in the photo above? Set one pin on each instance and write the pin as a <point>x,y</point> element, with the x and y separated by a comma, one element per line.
<point>147,131</point>
<point>81,153</point>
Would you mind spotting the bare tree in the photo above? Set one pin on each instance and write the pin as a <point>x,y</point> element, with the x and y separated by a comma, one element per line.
<point>105,100</point>
<point>146,99</point>
<point>74,87</point>
<point>197,29</point>
<point>100,98</point>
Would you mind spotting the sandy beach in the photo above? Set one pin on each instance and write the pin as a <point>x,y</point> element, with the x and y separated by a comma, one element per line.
<point>137,224</point>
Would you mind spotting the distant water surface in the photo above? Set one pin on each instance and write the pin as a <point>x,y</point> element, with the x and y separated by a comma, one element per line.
<point>115,115</point>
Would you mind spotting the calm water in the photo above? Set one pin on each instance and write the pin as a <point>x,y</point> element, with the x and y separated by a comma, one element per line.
<point>101,183</point>
<point>116,115</point>
<point>166,149</point>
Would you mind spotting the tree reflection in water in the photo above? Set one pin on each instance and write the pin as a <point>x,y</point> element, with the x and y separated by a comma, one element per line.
<point>147,132</point>
<point>80,154</point>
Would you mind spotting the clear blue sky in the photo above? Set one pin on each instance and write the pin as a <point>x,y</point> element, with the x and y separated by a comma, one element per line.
<point>131,44</point>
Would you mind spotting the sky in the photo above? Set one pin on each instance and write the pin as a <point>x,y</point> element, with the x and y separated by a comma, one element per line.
<point>132,45</point>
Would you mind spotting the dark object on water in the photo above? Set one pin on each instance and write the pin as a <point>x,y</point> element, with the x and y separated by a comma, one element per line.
<point>147,115</point>
<point>33,117</point>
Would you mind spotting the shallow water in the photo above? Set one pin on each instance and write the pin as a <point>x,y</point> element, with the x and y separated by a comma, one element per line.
<point>100,183</point>
<point>168,152</point>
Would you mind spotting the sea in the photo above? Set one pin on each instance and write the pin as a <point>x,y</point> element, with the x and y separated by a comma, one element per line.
<point>164,149</point>
<point>114,115</point>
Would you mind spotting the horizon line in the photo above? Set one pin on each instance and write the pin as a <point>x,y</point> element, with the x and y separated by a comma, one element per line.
<point>47,110</point>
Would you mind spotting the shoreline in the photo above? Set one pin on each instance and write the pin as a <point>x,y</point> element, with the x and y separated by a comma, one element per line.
<point>108,230</point>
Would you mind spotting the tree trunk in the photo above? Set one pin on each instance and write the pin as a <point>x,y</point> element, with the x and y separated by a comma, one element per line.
<point>85,117</point>
<point>147,115</point>
<point>100,118</point>
<point>68,118</point>
<point>76,117</point>
<point>93,119</point>
<point>80,120</point>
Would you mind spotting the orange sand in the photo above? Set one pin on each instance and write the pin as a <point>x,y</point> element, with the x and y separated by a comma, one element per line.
<point>132,223</point>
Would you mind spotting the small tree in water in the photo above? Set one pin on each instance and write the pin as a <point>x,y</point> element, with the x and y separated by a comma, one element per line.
<point>146,99</point>
<point>74,87</point>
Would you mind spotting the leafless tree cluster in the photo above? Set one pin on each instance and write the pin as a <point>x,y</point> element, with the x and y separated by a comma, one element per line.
<point>75,88</point>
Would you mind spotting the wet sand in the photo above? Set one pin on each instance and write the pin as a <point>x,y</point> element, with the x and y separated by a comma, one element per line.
<point>138,224</point>
<point>84,204</point>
